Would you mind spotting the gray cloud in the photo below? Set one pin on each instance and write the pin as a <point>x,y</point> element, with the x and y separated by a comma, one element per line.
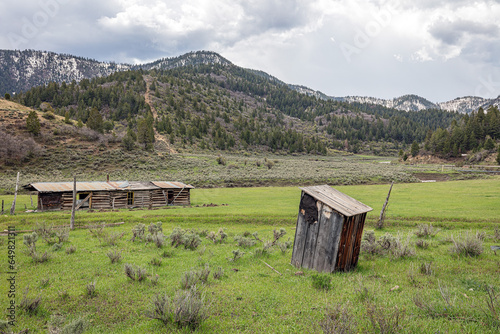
<point>453,32</point>
<point>296,40</point>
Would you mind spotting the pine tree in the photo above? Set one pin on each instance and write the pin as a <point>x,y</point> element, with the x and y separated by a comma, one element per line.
<point>128,140</point>
<point>145,132</point>
<point>414,149</point>
<point>94,121</point>
<point>498,155</point>
<point>32,123</point>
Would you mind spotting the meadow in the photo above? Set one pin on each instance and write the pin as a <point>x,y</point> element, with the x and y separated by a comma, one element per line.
<point>421,287</point>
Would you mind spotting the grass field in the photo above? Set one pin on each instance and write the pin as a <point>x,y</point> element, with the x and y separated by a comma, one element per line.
<point>251,297</point>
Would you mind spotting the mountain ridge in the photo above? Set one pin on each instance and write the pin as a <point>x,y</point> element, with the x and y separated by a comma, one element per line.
<point>22,70</point>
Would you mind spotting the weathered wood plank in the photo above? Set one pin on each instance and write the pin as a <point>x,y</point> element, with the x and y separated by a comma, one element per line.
<point>323,256</point>
<point>299,241</point>
<point>310,245</point>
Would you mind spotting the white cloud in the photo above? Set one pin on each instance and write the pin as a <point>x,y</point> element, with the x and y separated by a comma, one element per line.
<point>296,40</point>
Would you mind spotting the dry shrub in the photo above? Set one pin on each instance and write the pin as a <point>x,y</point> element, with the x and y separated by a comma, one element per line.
<point>426,269</point>
<point>70,250</point>
<point>135,273</point>
<point>384,320</point>
<point>189,239</point>
<point>218,273</point>
<point>16,149</point>
<point>402,248</point>
<point>244,242</point>
<point>445,307</point>
<point>91,289</point>
<point>217,238</point>
<point>468,245</point>
<point>105,237</point>
<point>237,254</point>
<point>138,232</point>
<point>496,234</point>
<point>52,235</point>
<point>186,310</point>
<point>422,244</point>
<point>397,247</point>
<point>193,277</point>
<point>339,320</point>
<point>492,311</point>
<point>426,231</point>
<point>114,255</point>
<point>30,305</point>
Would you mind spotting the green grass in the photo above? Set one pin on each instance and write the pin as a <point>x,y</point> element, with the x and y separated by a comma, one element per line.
<point>255,299</point>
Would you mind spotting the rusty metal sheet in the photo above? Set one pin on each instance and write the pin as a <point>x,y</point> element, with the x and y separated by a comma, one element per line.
<point>338,201</point>
<point>172,185</point>
<point>45,187</point>
<point>132,185</point>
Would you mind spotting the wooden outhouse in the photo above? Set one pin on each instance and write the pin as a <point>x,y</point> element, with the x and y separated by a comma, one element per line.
<point>329,229</point>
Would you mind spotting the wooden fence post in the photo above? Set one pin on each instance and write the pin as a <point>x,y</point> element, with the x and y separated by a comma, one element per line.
<point>2,207</point>
<point>13,208</point>
<point>72,221</point>
<point>380,223</point>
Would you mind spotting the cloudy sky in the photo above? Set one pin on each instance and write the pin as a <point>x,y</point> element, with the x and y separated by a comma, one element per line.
<point>438,49</point>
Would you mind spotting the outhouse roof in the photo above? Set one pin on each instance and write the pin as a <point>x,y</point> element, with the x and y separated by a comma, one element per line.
<point>337,200</point>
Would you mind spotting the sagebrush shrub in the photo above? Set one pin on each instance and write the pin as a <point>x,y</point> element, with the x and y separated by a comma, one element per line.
<point>218,273</point>
<point>155,228</point>
<point>237,254</point>
<point>244,242</point>
<point>70,249</point>
<point>468,245</point>
<point>91,289</point>
<point>135,273</point>
<point>138,232</point>
<point>114,255</point>
<point>187,309</point>
<point>425,268</point>
<point>426,231</point>
<point>189,279</point>
<point>339,319</point>
<point>29,240</point>
<point>30,305</point>
<point>156,262</point>
<point>191,240</point>
<point>384,320</point>
<point>422,244</point>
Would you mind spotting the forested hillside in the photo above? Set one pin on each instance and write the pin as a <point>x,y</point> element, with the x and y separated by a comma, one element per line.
<point>225,107</point>
<point>477,131</point>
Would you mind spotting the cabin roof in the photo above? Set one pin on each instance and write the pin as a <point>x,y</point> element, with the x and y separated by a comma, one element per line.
<point>105,186</point>
<point>337,200</point>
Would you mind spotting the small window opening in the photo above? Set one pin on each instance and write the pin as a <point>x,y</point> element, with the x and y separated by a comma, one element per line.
<point>130,198</point>
<point>170,196</point>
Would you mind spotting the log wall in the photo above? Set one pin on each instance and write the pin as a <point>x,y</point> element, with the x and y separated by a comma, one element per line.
<point>118,199</point>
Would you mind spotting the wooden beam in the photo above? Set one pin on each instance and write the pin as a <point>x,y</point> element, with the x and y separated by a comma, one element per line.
<point>380,223</point>
<point>73,207</point>
<point>84,200</point>
<point>13,207</point>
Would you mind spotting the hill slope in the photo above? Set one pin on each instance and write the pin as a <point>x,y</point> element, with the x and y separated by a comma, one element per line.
<point>22,70</point>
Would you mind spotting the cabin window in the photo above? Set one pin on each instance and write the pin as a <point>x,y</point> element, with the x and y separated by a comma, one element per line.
<point>130,198</point>
<point>81,197</point>
<point>170,196</point>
